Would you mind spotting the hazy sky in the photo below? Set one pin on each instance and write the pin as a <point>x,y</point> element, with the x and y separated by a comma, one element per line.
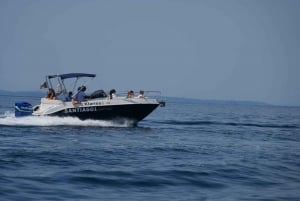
<point>212,49</point>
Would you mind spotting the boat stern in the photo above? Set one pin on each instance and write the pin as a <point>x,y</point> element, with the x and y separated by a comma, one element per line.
<point>23,108</point>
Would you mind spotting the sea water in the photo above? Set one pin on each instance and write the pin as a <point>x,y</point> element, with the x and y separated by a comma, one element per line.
<point>188,150</point>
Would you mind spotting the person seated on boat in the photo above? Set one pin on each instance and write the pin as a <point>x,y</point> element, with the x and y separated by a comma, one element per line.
<point>69,97</point>
<point>51,94</point>
<point>141,95</point>
<point>130,94</point>
<point>59,90</point>
<point>80,95</point>
<point>112,94</point>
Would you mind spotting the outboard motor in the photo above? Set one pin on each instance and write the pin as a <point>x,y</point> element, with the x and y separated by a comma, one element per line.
<point>23,109</point>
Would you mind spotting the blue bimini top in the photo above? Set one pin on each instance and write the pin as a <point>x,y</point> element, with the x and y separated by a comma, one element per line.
<point>71,75</point>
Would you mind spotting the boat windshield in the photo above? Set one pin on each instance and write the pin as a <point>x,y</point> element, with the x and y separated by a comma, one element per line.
<point>65,83</point>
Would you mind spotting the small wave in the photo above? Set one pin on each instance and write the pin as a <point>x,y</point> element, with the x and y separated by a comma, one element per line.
<point>146,178</point>
<point>191,123</point>
<point>8,119</point>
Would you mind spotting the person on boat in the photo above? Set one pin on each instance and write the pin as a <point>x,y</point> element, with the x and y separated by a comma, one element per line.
<point>59,90</point>
<point>69,97</point>
<point>130,94</point>
<point>51,94</point>
<point>141,95</point>
<point>112,94</point>
<point>80,95</point>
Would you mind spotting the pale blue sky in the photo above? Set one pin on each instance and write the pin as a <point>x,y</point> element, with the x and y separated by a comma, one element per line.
<point>213,49</point>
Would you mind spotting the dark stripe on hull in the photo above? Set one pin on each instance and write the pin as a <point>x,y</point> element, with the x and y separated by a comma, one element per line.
<point>134,112</point>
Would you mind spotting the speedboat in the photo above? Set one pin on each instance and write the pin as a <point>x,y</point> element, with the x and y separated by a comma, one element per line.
<point>97,105</point>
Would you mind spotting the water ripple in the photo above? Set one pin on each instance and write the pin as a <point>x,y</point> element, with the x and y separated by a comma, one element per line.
<point>191,123</point>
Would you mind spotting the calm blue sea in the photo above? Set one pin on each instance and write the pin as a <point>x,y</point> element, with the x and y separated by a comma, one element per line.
<point>187,150</point>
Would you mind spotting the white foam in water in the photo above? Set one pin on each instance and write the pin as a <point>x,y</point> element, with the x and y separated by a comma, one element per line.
<point>9,119</point>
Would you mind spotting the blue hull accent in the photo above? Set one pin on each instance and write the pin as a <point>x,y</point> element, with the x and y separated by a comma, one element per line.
<point>23,109</point>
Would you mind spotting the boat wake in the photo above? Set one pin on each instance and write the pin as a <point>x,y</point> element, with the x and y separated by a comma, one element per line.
<point>9,119</point>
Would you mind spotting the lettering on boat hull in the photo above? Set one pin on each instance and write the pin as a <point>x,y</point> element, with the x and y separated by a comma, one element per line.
<point>80,109</point>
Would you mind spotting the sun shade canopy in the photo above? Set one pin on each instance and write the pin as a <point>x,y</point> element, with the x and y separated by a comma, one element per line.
<point>71,75</point>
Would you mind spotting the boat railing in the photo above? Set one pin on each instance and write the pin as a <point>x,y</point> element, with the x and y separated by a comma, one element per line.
<point>147,95</point>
